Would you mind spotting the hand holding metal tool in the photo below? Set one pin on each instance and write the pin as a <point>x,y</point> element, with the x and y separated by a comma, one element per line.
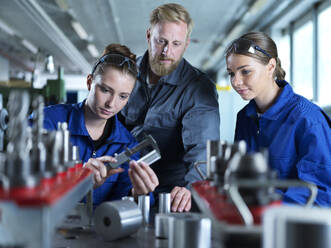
<point>149,158</point>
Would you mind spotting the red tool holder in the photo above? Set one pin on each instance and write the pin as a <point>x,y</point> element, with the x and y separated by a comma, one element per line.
<point>221,207</point>
<point>49,191</point>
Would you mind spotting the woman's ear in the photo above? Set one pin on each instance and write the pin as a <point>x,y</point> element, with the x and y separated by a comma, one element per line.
<point>271,67</point>
<point>89,81</point>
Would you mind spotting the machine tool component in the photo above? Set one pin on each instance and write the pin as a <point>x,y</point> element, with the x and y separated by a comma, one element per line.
<point>214,148</point>
<point>254,185</point>
<point>75,154</point>
<point>190,231</point>
<point>144,205</point>
<point>3,123</point>
<point>150,157</point>
<point>295,226</point>
<point>29,218</point>
<point>251,166</point>
<point>38,149</point>
<point>125,156</point>
<point>218,155</point>
<point>66,148</point>
<point>162,225</point>
<point>18,164</point>
<point>130,198</point>
<point>117,219</point>
<point>162,222</point>
<point>53,141</point>
<point>164,203</point>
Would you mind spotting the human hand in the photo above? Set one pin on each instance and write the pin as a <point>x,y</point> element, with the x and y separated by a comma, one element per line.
<point>180,199</point>
<point>99,169</point>
<point>143,178</point>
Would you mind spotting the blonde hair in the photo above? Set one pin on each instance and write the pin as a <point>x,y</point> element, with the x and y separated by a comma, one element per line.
<point>171,12</point>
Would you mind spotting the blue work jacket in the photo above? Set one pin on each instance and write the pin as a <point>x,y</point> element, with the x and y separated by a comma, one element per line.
<point>181,113</point>
<point>297,134</point>
<point>115,186</point>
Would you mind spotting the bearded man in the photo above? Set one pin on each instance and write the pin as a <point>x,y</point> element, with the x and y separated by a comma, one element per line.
<point>174,102</point>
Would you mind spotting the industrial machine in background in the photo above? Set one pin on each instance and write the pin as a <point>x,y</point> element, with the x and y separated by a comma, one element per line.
<point>54,91</point>
<point>238,189</point>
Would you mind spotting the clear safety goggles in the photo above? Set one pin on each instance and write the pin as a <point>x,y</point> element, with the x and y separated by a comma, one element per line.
<point>243,45</point>
<point>117,60</point>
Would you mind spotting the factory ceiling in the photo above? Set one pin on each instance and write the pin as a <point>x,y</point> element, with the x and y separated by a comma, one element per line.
<point>32,29</point>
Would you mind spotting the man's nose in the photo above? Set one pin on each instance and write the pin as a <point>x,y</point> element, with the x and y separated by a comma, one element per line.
<point>165,50</point>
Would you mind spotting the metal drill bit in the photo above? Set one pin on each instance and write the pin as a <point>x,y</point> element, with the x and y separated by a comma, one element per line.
<point>38,150</point>
<point>18,166</point>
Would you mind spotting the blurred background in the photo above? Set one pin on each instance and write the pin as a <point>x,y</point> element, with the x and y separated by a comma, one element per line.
<point>49,46</point>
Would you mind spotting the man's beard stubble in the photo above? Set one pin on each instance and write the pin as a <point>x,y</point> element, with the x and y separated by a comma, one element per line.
<point>160,69</point>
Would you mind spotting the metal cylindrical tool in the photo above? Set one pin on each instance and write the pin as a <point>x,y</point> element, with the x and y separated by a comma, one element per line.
<point>296,226</point>
<point>130,198</point>
<point>190,231</point>
<point>75,154</point>
<point>162,223</point>
<point>164,203</point>
<point>144,205</point>
<point>214,148</point>
<point>117,219</point>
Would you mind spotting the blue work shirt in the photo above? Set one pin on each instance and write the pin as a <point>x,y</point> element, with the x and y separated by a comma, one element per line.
<point>115,186</point>
<point>181,113</point>
<point>298,136</point>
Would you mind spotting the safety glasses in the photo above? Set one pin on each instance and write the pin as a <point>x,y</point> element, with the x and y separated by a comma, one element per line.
<point>117,60</point>
<point>243,45</point>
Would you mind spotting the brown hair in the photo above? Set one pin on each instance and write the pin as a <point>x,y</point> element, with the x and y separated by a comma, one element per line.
<point>171,12</point>
<point>116,49</point>
<point>267,44</point>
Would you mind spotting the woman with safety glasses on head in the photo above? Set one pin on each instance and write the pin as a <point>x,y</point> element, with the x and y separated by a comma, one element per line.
<point>94,126</point>
<point>296,132</point>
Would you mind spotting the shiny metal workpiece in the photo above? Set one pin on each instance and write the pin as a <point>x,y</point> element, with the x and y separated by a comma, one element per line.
<point>162,224</point>
<point>190,231</point>
<point>130,198</point>
<point>38,149</point>
<point>125,156</point>
<point>144,205</point>
<point>214,148</point>
<point>296,226</point>
<point>117,219</point>
<point>151,157</point>
<point>75,154</point>
<point>164,203</point>
<point>18,164</point>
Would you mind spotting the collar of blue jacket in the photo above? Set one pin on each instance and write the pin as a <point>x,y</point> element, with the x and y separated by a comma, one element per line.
<point>274,112</point>
<point>76,126</point>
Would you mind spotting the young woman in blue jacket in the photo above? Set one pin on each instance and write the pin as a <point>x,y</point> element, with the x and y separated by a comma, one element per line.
<point>95,129</point>
<point>296,132</point>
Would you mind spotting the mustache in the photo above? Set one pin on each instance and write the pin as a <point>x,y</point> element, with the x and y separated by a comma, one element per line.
<point>165,58</point>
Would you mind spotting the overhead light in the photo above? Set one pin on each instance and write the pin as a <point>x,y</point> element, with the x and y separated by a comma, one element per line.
<point>93,50</point>
<point>30,46</point>
<point>63,4</point>
<point>6,28</point>
<point>49,64</point>
<point>79,30</point>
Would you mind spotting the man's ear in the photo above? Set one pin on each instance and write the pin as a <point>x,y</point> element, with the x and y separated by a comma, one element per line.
<point>187,42</point>
<point>148,34</point>
<point>89,81</point>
